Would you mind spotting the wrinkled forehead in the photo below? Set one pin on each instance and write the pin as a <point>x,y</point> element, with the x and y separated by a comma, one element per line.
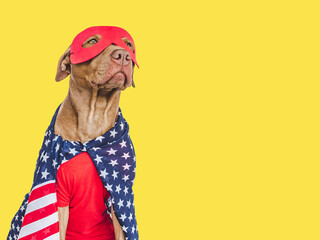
<point>109,35</point>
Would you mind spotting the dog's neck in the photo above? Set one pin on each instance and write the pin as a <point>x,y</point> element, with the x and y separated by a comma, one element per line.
<point>86,113</point>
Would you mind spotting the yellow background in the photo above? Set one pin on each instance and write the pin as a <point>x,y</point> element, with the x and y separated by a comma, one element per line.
<point>224,117</point>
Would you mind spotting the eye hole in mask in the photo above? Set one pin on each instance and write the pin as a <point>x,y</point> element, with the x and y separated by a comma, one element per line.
<point>128,43</point>
<point>91,41</point>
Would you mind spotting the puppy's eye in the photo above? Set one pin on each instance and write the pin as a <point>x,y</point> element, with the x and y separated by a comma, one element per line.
<point>129,44</point>
<point>93,41</point>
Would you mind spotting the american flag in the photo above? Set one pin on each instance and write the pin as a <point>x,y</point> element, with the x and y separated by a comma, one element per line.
<point>114,158</point>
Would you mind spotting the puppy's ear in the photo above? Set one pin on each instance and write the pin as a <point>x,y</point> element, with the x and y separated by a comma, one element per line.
<point>133,85</point>
<point>64,68</point>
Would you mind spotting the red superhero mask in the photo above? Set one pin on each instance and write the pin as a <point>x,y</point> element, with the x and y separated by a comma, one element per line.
<point>109,35</point>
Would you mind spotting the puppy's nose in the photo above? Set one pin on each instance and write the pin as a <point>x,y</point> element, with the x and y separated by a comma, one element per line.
<point>121,57</point>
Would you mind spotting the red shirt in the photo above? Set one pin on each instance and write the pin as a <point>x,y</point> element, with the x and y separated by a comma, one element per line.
<point>80,187</point>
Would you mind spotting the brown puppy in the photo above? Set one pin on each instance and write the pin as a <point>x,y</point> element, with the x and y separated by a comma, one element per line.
<point>91,106</point>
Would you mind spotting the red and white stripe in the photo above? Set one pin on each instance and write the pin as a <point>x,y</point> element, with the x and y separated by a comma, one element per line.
<point>41,218</point>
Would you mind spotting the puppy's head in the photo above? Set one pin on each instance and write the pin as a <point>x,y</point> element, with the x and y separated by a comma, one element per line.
<point>112,68</point>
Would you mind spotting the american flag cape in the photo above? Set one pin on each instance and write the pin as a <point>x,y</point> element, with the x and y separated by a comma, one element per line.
<point>114,158</point>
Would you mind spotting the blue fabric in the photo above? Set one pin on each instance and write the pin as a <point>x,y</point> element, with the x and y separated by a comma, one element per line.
<point>114,158</point>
